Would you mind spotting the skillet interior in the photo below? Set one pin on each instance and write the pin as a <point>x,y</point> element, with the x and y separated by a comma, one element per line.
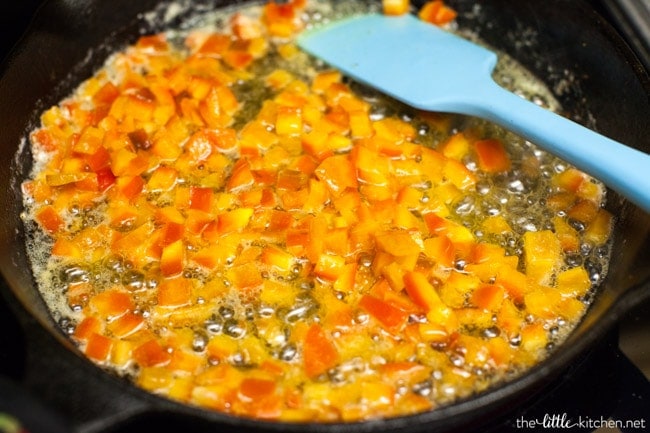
<point>563,42</point>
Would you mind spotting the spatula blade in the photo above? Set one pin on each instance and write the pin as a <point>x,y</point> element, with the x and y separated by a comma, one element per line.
<point>411,60</point>
<point>431,69</point>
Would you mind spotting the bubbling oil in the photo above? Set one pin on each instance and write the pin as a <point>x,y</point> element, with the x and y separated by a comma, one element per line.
<point>518,195</point>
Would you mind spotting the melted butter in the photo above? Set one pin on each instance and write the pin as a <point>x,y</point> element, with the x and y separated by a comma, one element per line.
<point>518,196</point>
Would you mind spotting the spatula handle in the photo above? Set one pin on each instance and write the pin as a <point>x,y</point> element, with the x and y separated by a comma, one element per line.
<point>622,168</point>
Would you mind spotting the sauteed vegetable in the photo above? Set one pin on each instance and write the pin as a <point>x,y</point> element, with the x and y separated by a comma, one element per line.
<point>230,224</point>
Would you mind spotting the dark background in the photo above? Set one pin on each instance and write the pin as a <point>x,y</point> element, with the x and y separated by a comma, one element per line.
<point>628,16</point>
<point>14,18</point>
<point>631,17</point>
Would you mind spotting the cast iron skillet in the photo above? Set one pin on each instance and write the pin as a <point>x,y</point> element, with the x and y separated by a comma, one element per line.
<point>594,75</point>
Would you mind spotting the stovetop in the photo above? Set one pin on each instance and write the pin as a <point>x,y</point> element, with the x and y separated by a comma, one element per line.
<point>601,386</point>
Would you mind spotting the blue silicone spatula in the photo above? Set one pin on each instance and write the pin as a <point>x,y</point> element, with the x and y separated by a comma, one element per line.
<point>431,69</point>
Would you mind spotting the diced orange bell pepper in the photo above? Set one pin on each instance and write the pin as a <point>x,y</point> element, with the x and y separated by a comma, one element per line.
<point>410,197</point>
<point>220,103</point>
<point>395,7</point>
<point>561,201</point>
<point>534,338</point>
<point>237,59</point>
<point>573,282</point>
<point>44,138</point>
<point>151,353</point>
<point>246,276</point>
<point>66,248</point>
<point>440,249</point>
<point>88,326</point>
<point>345,282</point>
<point>39,190</point>
<point>126,325</point>
<point>458,174</point>
<point>174,292</point>
<point>391,317</point>
<point>570,309</point>
<point>394,274</point>
<point>241,176</point>
<point>492,156</point>
<point>360,124</point>
<point>496,224</point>
<point>172,259</point>
<point>324,79</point>
<point>394,129</point>
<point>542,255</point>
<point>197,221</point>
<point>99,159</point>
<point>515,283</point>
<point>397,243</point>
<point>280,18</point>
<point>600,228</point>
<point>130,186</point>
<point>215,44</point>
<point>435,223</point>
<point>277,258</point>
<point>297,238</point>
<point>509,318</point>
<point>569,180</point>
<point>162,179</point>
<point>456,146</point>
<point>486,260</point>
<point>380,395</point>
<point>49,219</point>
<point>106,94</point>
<point>167,142</point>
<point>279,79</point>
<point>89,141</point>
<point>436,12</point>
<point>224,139</point>
<point>318,351</point>
<point>288,121</point>
<point>583,211</point>
<point>405,219</point>
<point>329,266</point>
<point>457,287</point>
<point>291,180</point>
<point>488,296</point>
<point>156,42</point>
<point>567,235</point>
<point>111,303</point>
<point>314,143</point>
<point>201,198</point>
<point>234,220</point>
<point>591,190</point>
<point>372,168</point>
<point>338,172</point>
<point>253,388</point>
<point>421,291</point>
<point>198,147</point>
<point>98,347</point>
